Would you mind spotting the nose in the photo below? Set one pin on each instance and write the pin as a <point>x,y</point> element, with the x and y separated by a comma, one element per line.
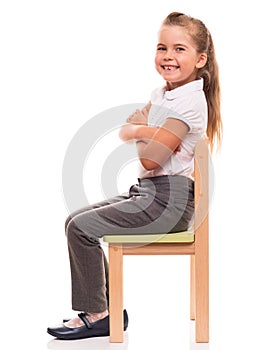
<point>168,55</point>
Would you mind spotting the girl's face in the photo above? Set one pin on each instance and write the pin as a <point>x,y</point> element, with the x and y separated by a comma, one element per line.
<point>177,60</point>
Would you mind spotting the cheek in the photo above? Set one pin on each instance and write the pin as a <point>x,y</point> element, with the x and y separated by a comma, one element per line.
<point>157,61</point>
<point>159,56</point>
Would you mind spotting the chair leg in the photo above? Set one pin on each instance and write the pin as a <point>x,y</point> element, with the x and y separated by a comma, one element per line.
<point>202,297</point>
<point>116,293</point>
<point>192,287</point>
<point>201,230</point>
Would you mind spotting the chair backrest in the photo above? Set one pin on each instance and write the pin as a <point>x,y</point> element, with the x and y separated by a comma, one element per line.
<point>201,189</point>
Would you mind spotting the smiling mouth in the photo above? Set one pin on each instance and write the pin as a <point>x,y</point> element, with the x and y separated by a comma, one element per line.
<point>170,68</point>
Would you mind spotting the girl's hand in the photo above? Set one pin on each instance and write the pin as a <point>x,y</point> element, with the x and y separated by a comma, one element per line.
<point>140,117</point>
<point>178,149</point>
<point>128,132</point>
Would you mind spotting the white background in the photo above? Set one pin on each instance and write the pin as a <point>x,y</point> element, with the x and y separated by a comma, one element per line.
<point>62,62</point>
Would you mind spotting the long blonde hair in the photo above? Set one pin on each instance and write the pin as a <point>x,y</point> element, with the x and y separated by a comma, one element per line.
<point>204,43</point>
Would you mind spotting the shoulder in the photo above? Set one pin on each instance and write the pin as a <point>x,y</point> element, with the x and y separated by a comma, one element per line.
<point>157,95</point>
<point>190,105</point>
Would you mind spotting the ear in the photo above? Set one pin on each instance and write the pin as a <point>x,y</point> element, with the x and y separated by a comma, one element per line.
<point>202,60</point>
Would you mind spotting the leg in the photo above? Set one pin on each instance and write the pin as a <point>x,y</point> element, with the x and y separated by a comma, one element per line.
<point>88,271</point>
<point>95,206</point>
<point>202,295</point>
<point>80,245</point>
<point>89,267</point>
<point>116,293</point>
<point>192,287</point>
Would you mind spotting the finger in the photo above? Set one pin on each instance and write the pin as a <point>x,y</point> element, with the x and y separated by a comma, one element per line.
<point>144,112</point>
<point>148,106</point>
<point>129,119</point>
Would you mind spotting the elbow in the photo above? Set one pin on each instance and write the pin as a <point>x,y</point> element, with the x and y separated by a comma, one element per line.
<point>122,134</point>
<point>149,164</point>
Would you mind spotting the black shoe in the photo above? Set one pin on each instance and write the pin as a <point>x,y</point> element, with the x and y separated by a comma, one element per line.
<point>99,328</point>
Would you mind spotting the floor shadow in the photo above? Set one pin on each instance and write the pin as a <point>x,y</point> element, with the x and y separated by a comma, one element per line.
<point>102,343</point>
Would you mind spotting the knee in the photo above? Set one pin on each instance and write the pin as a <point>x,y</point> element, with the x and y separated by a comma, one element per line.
<point>73,225</point>
<point>75,236</point>
<point>72,230</point>
<point>76,232</point>
<point>67,221</point>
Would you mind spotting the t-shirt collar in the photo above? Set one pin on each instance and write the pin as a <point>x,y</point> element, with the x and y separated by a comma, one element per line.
<point>194,85</point>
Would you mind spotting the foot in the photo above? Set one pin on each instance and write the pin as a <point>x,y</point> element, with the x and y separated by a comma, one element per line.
<point>98,328</point>
<point>91,317</point>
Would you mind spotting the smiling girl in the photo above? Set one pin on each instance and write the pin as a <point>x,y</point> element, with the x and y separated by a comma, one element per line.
<point>166,131</point>
<point>186,60</point>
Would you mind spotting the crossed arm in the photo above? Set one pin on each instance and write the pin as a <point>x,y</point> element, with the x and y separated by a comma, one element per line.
<point>154,145</point>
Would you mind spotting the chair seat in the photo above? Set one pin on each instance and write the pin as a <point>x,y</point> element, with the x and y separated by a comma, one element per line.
<point>177,237</point>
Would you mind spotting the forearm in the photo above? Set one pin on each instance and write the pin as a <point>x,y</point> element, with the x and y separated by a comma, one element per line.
<point>145,132</point>
<point>156,144</point>
<point>152,154</point>
<point>145,153</point>
<point>129,132</point>
<point>143,135</point>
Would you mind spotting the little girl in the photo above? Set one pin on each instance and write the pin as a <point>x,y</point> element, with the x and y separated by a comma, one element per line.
<point>166,132</point>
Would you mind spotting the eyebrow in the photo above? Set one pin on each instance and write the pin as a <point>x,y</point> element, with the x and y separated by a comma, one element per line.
<point>181,45</point>
<point>161,44</point>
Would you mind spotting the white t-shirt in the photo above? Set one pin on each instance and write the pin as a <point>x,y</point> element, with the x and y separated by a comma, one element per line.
<point>186,103</point>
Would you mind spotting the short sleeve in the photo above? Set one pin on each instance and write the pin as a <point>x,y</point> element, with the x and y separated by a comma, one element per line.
<point>192,110</point>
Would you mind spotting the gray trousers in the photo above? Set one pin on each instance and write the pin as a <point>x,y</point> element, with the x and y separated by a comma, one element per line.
<point>160,204</point>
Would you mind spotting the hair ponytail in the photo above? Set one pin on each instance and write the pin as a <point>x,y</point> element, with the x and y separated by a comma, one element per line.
<point>204,43</point>
<point>210,74</point>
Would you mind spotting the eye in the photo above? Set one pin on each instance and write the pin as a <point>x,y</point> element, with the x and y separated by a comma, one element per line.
<point>180,49</point>
<point>161,48</point>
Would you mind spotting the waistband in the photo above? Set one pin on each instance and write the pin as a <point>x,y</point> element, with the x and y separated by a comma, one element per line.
<point>179,180</point>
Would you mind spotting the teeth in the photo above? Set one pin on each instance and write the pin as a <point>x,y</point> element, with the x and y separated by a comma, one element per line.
<point>170,67</point>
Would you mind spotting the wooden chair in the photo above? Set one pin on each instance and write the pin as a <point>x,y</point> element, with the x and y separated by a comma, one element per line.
<point>195,244</point>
